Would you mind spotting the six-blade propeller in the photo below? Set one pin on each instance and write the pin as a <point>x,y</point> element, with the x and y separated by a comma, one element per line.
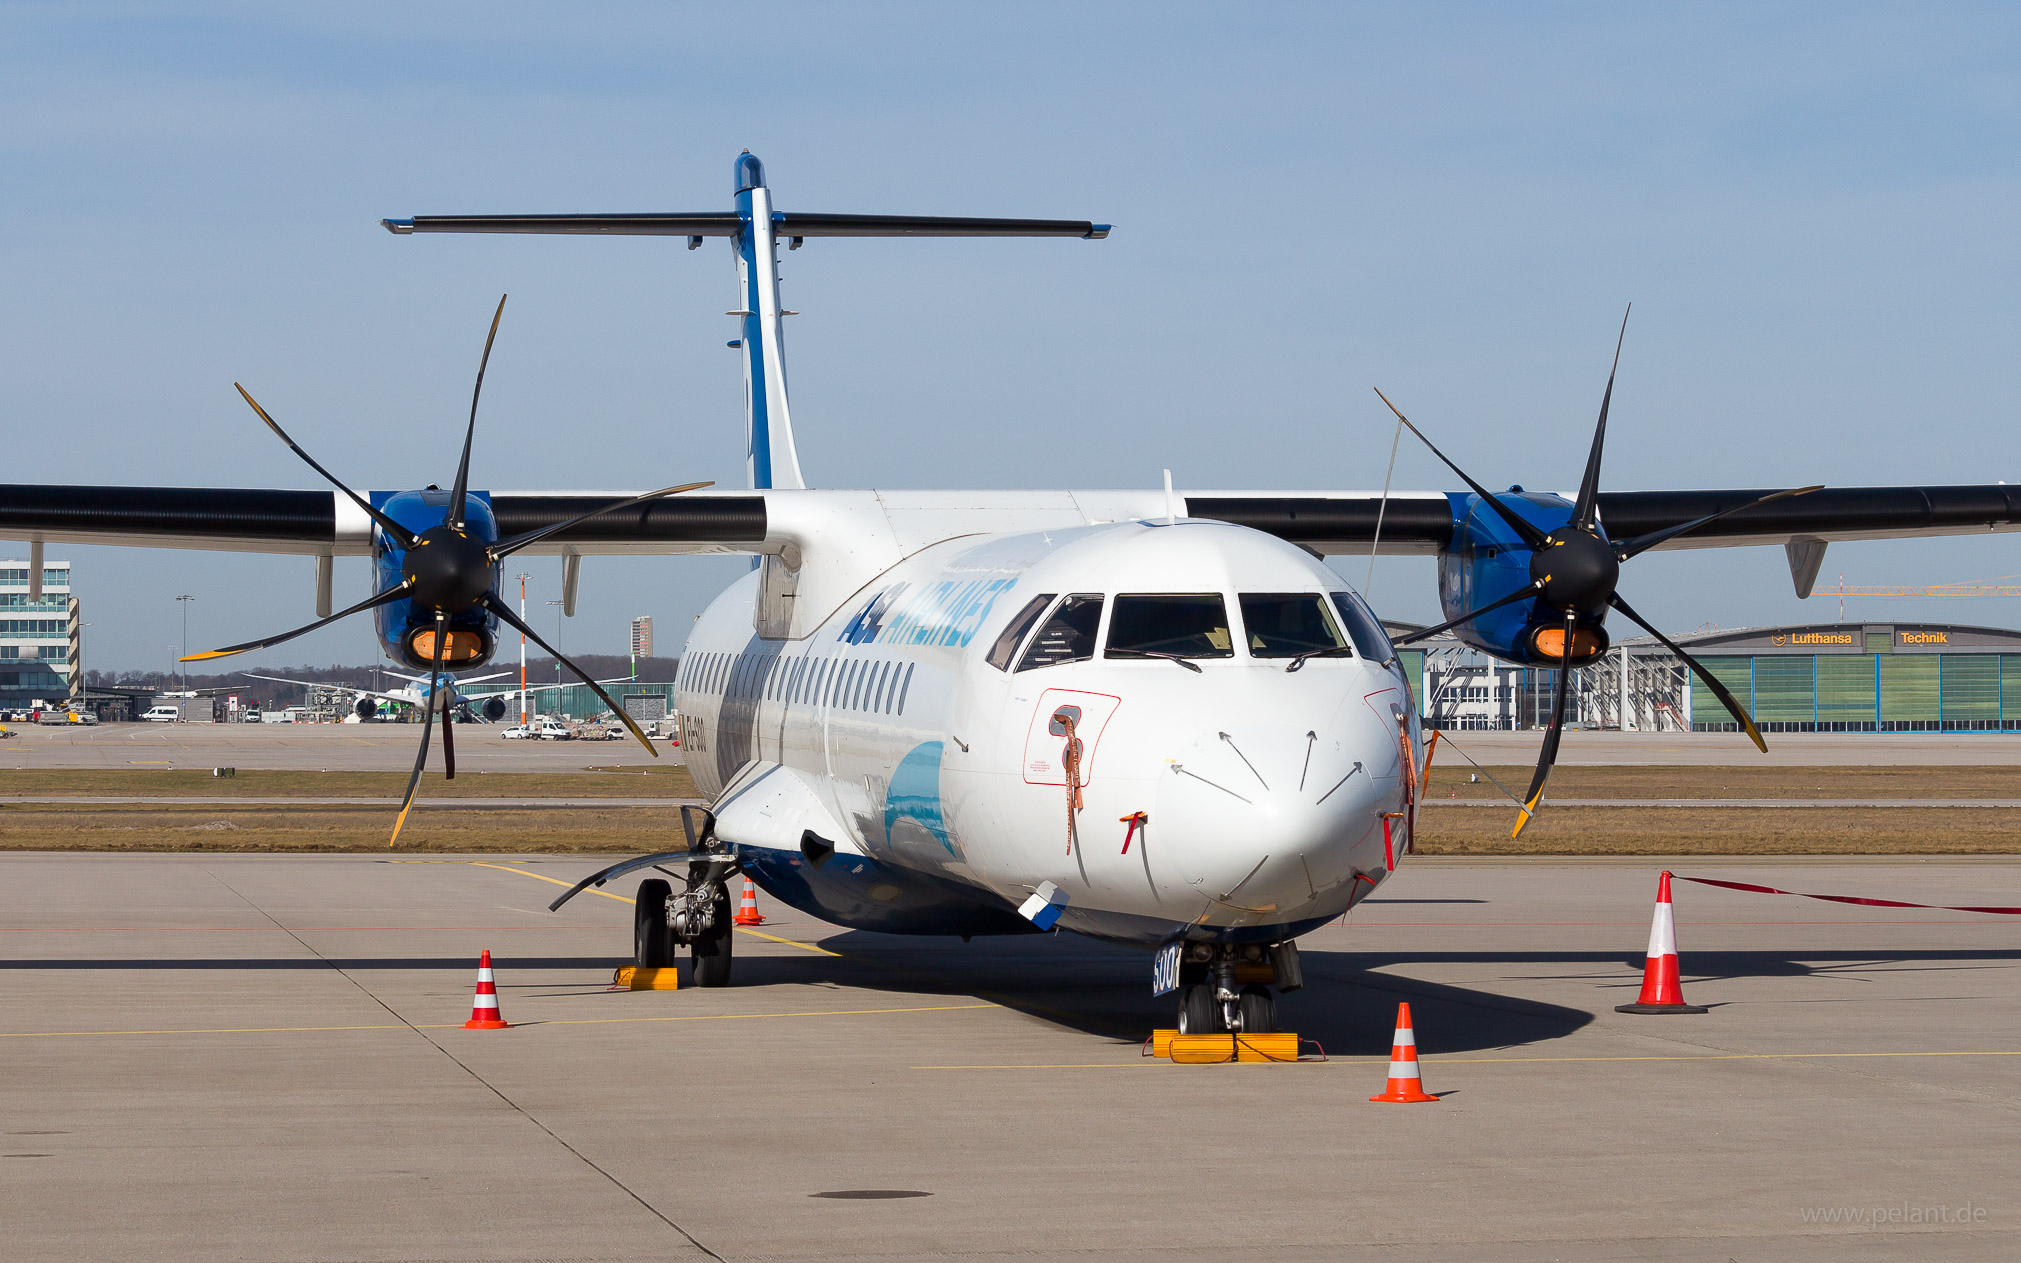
<point>1574,570</point>
<point>446,572</point>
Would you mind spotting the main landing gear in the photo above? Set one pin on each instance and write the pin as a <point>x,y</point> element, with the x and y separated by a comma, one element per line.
<point>1226,988</point>
<point>698,917</point>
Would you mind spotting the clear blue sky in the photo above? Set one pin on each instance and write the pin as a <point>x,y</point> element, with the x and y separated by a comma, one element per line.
<point>1812,207</point>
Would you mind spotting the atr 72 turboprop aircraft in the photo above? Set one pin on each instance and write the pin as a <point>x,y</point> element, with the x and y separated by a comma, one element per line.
<point>1153,717</point>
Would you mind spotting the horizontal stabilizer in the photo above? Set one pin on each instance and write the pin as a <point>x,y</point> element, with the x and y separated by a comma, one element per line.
<point>784,224</point>
<point>709,225</point>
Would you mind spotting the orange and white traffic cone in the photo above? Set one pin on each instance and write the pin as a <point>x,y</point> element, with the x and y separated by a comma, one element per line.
<point>1405,1088</point>
<point>1662,990</point>
<point>484,1014</point>
<point>747,906</point>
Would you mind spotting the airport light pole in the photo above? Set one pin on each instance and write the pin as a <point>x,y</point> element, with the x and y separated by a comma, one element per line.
<point>522,577</point>
<point>181,703</point>
<point>557,661</point>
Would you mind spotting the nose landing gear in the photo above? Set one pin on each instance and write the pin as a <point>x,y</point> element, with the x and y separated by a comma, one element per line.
<point>1228,988</point>
<point>697,917</point>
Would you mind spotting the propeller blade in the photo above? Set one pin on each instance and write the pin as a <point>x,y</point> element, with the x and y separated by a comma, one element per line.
<point>1718,690</point>
<point>491,602</point>
<point>387,524</point>
<point>427,722</point>
<point>1532,590</point>
<point>1524,531</point>
<point>376,599</point>
<point>1643,543</point>
<point>506,547</point>
<point>448,744</point>
<point>1589,484</point>
<point>1547,758</point>
<point>454,518</point>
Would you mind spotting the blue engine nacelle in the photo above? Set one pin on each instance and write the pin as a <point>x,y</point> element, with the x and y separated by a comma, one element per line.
<point>408,634</point>
<point>494,708</point>
<point>1486,561</point>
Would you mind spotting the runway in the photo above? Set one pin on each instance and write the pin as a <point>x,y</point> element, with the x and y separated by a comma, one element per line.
<point>303,747</point>
<point>390,748</point>
<point>261,1057</point>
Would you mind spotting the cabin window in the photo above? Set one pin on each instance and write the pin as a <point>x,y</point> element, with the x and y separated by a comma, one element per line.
<point>856,685</point>
<point>1006,646</point>
<point>1364,627</point>
<point>1170,625</point>
<point>906,687</point>
<point>883,678</point>
<point>1068,636</point>
<point>1286,624</point>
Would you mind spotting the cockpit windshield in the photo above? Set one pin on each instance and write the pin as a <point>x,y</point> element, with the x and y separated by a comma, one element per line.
<point>1068,636</point>
<point>1170,625</point>
<point>1287,624</point>
<point>1364,627</point>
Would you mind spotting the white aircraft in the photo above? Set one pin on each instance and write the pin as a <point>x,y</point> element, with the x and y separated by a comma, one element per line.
<point>447,694</point>
<point>1153,717</point>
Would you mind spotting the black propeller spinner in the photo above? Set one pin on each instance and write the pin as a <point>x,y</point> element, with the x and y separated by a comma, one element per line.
<point>1574,570</point>
<point>447,572</point>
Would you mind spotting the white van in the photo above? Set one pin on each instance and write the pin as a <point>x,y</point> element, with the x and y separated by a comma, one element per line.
<point>551,730</point>
<point>161,715</point>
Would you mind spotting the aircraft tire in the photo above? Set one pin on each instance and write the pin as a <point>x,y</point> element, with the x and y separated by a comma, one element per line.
<point>1198,1013</point>
<point>712,950</point>
<point>1256,1009</point>
<point>652,944</point>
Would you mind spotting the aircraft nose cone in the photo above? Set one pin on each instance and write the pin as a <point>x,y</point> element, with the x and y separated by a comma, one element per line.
<point>1266,819</point>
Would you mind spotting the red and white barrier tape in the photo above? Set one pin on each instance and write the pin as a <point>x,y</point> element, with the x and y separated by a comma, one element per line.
<point>1752,889</point>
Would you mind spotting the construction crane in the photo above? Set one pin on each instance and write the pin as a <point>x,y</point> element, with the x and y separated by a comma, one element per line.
<point>1942,590</point>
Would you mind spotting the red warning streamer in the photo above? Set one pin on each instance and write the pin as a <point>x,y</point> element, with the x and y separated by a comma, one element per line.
<point>1870,903</point>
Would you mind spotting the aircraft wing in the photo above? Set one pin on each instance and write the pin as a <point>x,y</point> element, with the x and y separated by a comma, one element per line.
<point>335,688</point>
<point>323,523</point>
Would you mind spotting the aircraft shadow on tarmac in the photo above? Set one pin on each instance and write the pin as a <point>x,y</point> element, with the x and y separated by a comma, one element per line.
<point>1348,1004</point>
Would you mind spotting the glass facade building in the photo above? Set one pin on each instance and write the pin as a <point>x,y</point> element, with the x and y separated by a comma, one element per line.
<point>1863,678</point>
<point>34,636</point>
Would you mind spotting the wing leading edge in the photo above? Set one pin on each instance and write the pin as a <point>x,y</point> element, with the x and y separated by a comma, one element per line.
<point>318,523</point>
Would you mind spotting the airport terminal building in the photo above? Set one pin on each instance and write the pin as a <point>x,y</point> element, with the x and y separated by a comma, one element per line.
<point>36,635</point>
<point>1814,677</point>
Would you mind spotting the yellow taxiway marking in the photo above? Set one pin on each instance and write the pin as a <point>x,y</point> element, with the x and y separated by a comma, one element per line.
<point>774,938</point>
<point>1491,1061</point>
<point>444,1026</point>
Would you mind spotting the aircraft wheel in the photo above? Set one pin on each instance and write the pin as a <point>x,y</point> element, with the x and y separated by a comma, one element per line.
<point>1256,1009</point>
<point>1198,1012</point>
<point>652,945</point>
<point>712,950</point>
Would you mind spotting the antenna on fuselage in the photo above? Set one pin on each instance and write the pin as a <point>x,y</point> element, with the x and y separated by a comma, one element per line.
<point>754,230</point>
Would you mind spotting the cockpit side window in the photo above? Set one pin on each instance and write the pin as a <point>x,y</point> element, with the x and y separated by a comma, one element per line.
<point>1170,625</point>
<point>1364,627</point>
<point>1286,624</point>
<point>1006,646</point>
<point>1069,635</point>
